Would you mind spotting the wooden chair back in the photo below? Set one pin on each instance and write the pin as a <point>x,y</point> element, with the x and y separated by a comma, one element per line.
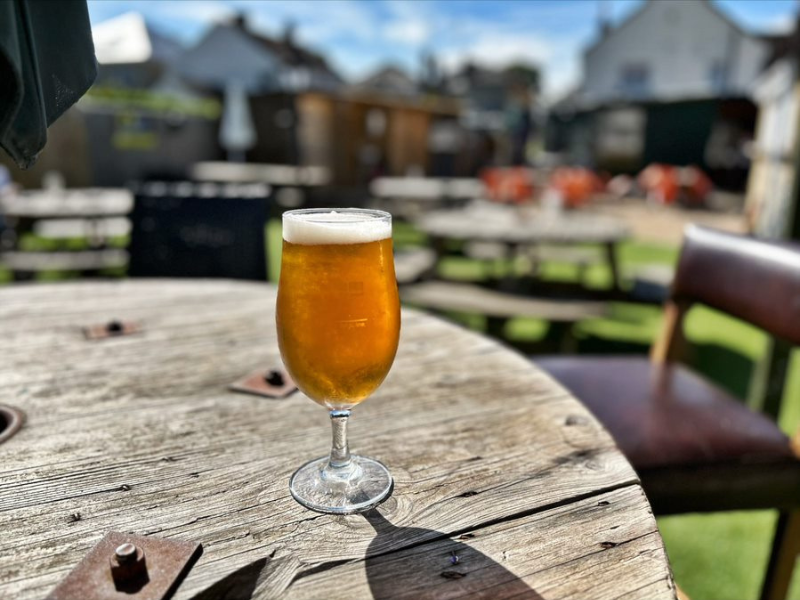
<point>754,280</point>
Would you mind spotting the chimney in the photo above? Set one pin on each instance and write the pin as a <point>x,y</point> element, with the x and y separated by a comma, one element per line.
<point>604,17</point>
<point>240,21</point>
<point>288,33</point>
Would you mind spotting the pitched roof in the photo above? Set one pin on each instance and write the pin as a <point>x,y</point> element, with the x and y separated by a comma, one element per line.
<point>288,51</point>
<point>390,79</point>
<point>709,4</point>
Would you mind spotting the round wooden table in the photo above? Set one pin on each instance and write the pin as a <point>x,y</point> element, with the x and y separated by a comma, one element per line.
<point>504,484</point>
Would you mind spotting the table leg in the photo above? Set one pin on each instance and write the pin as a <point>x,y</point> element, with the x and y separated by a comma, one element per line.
<point>611,255</point>
<point>562,335</point>
<point>785,549</point>
<point>495,327</point>
<point>507,280</point>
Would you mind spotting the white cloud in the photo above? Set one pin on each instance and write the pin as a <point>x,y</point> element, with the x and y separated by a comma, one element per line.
<point>184,20</point>
<point>558,57</point>
<point>204,11</point>
<point>780,24</point>
<point>357,36</point>
<point>560,77</point>
<point>409,22</point>
<point>411,32</point>
<point>496,50</point>
<point>316,22</point>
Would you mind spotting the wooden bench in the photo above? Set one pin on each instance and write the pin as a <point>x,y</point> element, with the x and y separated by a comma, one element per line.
<point>491,252</point>
<point>414,265</point>
<point>26,264</point>
<point>498,307</point>
<point>650,282</point>
<point>92,229</point>
<point>95,214</point>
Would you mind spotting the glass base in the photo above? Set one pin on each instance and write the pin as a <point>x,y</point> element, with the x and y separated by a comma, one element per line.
<point>361,485</point>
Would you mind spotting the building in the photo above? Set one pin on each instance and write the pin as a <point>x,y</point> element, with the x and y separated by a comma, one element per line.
<point>158,108</point>
<point>139,120</point>
<point>263,74</point>
<point>390,80</point>
<point>672,83</point>
<point>773,187</point>
<point>499,107</point>
<point>304,114</point>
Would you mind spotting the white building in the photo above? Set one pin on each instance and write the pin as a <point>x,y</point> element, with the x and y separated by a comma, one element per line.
<point>673,83</point>
<point>675,50</point>
<point>772,187</point>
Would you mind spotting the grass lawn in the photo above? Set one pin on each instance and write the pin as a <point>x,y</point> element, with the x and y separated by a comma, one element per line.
<point>717,556</point>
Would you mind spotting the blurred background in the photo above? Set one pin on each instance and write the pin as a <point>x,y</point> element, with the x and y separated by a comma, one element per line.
<point>210,118</point>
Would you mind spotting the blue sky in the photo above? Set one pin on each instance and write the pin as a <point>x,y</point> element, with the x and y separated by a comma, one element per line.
<point>358,36</point>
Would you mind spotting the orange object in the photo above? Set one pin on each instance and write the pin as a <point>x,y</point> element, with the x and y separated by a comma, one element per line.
<point>660,183</point>
<point>696,184</point>
<point>576,185</point>
<point>667,183</point>
<point>513,184</point>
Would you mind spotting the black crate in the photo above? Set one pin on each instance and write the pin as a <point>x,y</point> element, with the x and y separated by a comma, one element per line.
<point>189,229</point>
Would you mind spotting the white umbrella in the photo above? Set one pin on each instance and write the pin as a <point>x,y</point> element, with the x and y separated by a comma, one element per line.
<point>237,133</point>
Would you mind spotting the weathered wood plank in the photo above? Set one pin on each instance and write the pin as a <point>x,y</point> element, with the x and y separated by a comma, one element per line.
<point>462,297</point>
<point>487,221</point>
<point>534,556</point>
<point>72,203</point>
<point>60,229</point>
<point>83,260</point>
<point>140,434</point>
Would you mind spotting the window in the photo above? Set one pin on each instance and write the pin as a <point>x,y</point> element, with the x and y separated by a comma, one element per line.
<point>634,80</point>
<point>717,75</point>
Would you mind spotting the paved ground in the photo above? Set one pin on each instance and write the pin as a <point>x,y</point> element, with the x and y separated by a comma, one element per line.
<point>663,224</point>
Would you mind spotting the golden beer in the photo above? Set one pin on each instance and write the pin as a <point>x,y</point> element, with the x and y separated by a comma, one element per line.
<point>338,312</point>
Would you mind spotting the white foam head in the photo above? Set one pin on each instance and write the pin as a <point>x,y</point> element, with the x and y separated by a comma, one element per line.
<point>313,228</point>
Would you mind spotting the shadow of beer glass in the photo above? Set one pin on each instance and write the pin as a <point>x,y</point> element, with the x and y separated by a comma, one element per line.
<point>444,568</point>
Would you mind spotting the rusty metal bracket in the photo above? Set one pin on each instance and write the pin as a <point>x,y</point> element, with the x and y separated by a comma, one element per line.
<point>11,420</point>
<point>129,566</point>
<point>271,383</point>
<point>111,329</point>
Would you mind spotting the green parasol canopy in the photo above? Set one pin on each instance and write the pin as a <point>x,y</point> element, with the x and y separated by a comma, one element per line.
<point>46,64</point>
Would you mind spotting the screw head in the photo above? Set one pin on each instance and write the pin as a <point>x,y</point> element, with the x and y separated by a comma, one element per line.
<point>274,377</point>
<point>128,566</point>
<point>125,553</point>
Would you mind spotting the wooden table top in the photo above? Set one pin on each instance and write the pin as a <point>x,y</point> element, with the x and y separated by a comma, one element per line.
<point>484,221</point>
<point>494,463</point>
<point>68,203</point>
<point>433,189</point>
<point>273,174</point>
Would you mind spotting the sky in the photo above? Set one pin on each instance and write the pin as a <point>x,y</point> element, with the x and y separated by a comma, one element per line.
<point>359,36</point>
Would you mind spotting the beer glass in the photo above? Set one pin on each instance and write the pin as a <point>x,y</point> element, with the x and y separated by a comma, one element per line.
<point>338,320</point>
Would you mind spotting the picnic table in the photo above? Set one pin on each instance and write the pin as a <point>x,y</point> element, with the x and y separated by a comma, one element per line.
<point>291,183</point>
<point>516,227</point>
<point>408,197</point>
<point>83,203</point>
<point>505,485</point>
<point>96,214</point>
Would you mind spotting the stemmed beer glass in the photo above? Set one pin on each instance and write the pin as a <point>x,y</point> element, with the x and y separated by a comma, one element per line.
<point>338,319</point>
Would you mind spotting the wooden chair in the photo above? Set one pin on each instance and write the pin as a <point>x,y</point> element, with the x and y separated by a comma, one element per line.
<point>694,446</point>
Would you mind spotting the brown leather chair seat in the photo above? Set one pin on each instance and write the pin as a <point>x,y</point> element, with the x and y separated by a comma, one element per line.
<point>666,415</point>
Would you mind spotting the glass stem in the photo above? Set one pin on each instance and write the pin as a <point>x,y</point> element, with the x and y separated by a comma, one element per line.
<point>340,452</point>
